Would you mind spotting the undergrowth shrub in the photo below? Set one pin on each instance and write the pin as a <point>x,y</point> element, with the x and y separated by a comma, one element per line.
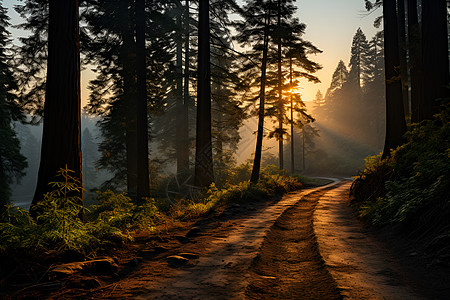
<point>411,188</point>
<point>63,223</point>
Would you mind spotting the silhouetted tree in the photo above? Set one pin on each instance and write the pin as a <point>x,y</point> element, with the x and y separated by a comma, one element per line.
<point>90,156</point>
<point>434,56</point>
<point>204,173</point>
<point>12,162</point>
<point>358,60</point>
<point>254,30</point>
<point>61,140</point>
<point>395,116</point>
<point>338,79</point>
<point>143,186</point>
<point>415,61</point>
<point>401,13</point>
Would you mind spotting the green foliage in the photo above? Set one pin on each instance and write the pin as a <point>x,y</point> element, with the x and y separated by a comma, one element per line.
<point>12,162</point>
<point>63,223</point>
<point>59,225</point>
<point>272,181</point>
<point>413,184</point>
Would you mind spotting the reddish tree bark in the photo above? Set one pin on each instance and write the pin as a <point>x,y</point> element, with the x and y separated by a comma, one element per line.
<point>61,138</point>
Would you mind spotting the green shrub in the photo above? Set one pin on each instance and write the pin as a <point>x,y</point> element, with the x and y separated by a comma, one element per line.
<point>414,182</point>
<point>63,223</point>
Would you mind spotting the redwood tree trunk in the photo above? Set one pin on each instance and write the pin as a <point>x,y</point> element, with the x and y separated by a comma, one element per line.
<point>143,185</point>
<point>61,138</point>
<point>130,98</point>
<point>402,54</point>
<point>434,55</point>
<point>204,174</point>
<point>395,116</point>
<point>415,58</point>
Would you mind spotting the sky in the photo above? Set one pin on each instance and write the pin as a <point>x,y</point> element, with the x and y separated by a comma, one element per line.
<point>331,25</point>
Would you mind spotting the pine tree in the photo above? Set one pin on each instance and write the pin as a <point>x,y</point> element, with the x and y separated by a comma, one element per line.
<point>265,23</point>
<point>12,162</point>
<point>89,149</point>
<point>338,79</point>
<point>254,31</point>
<point>358,60</point>
<point>114,91</point>
<point>374,92</point>
<point>319,103</point>
<point>31,57</point>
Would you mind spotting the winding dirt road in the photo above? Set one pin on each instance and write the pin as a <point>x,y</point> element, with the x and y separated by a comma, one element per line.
<point>308,245</point>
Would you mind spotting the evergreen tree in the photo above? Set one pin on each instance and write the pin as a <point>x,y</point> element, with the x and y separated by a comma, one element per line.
<point>415,61</point>
<point>338,79</point>
<point>358,60</point>
<point>319,103</point>
<point>254,31</point>
<point>401,13</point>
<point>31,57</point>
<point>143,186</point>
<point>374,92</point>
<point>395,115</point>
<point>12,162</point>
<point>90,157</point>
<point>114,91</point>
<point>204,174</point>
<point>434,56</point>
<point>264,25</point>
<point>61,140</point>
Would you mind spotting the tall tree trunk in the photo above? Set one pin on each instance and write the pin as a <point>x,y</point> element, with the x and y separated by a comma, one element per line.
<point>61,138</point>
<point>280,92</point>
<point>262,95</point>
<point>130,97</point>
<point>180,111</point>
<point>434,55</point>
<point>415,58</point>
<point>143,185</point>
<point>204,174</point>
<point>292,118</point>
<point>395,116</point>
<point>303,147</point>
<point>402,54</point>
<point>184,156</point>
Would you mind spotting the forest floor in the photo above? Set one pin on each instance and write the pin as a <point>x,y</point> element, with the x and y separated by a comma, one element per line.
<point>305,245</point>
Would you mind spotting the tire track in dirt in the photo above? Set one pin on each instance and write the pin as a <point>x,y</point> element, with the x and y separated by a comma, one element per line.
<point>289,265</point>
<point>222,271</point>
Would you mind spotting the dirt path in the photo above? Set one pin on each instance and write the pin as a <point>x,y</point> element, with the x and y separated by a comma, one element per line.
<point>222,271</point>
<point>308,245</point>
<point>361,266</point>
<point>289,265</point>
